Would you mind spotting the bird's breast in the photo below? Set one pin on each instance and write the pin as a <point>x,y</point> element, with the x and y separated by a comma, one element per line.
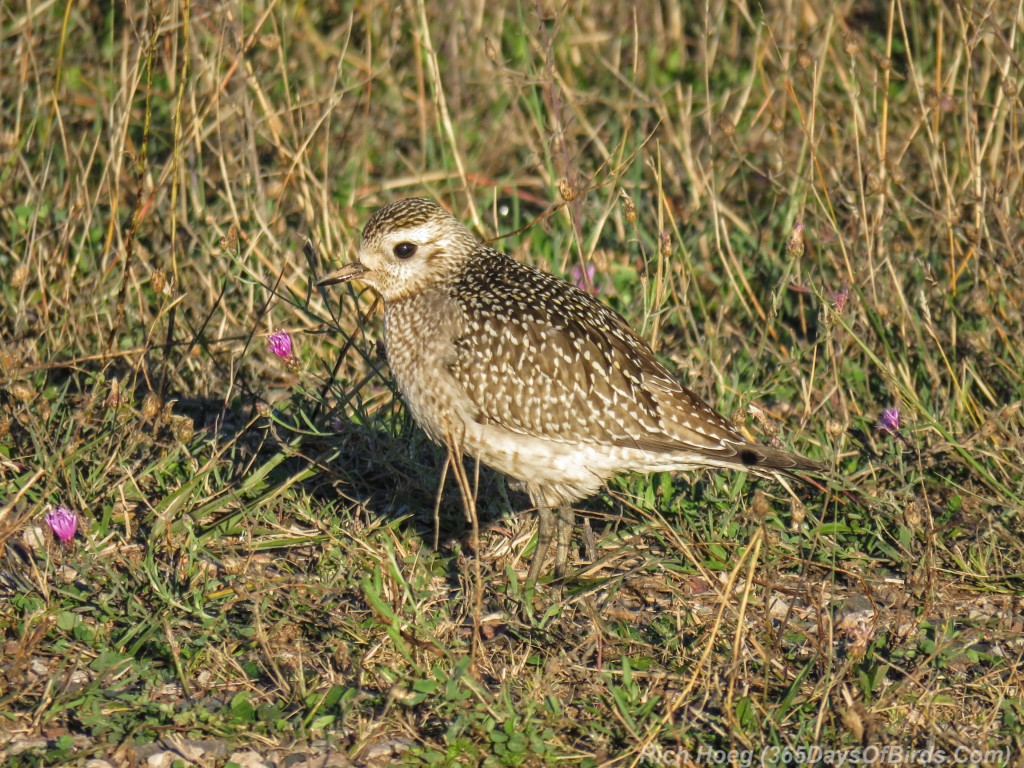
<point>419,332</point>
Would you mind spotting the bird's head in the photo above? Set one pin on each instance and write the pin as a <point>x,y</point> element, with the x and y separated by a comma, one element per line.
<point>406,247</point>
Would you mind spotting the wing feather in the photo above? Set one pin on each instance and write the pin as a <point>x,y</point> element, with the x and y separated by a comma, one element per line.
<point>560,364</point>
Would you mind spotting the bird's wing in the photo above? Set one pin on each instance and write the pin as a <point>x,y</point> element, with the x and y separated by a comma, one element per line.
<point>541,357</point>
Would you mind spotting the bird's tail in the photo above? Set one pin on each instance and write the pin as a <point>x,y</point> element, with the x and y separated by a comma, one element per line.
<point>755,456</point>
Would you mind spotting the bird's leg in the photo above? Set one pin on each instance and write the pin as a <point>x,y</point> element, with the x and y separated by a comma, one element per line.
<point>566,522</point>
<point>545,532</point>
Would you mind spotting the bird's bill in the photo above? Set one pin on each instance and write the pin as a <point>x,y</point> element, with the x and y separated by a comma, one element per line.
<point>351,271</point>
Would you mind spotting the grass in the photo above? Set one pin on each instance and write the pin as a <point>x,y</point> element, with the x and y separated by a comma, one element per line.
<point>813,213</point>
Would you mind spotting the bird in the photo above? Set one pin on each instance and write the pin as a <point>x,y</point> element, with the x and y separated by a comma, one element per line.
<point>530,375</point>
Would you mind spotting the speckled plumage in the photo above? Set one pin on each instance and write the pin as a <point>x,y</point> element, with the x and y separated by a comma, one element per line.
<point>531,375</point>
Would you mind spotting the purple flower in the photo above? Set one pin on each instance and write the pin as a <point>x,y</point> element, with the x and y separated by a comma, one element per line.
<point>890,421</point>
<point>280,343</point>
<point>584,278</point>
<point>839,299</point>
<point>63,522</point>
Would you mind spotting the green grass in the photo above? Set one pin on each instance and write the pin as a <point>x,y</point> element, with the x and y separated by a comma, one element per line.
<point>264,560</point>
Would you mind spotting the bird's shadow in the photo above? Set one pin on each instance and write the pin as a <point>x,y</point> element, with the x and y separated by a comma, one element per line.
<point>389,468</point>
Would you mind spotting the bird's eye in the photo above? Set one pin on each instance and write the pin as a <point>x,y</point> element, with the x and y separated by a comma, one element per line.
<point>404,250</point>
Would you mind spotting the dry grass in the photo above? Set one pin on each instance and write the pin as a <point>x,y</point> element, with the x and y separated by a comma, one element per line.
<point>812,210</point>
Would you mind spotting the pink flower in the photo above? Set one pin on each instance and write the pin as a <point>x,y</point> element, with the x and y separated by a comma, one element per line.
<point>63,522</point>
<point>584,278</point>
<point>280,343</point>
<point>839,299</point>
<point>890,421</point>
